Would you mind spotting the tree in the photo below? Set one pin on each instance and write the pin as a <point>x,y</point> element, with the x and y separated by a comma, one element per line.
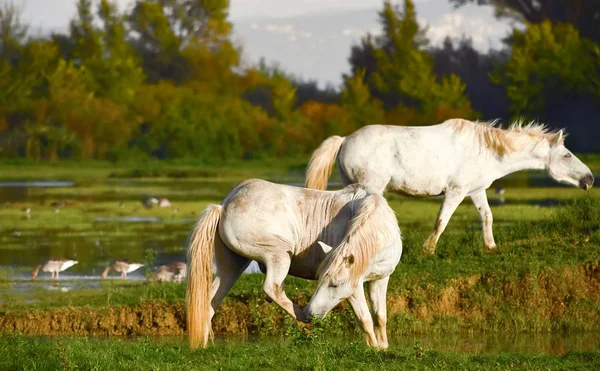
<point>197,28</point>
<point>549,61</point>
<point>474,68</point>
<point>403,75</point>
<point>117,71</point>
<point>12,32</point>
<point>86,39</point>
<point>584,15</point>
<point>553,75</point>
<point>156,42</point>
<point>357,101</point>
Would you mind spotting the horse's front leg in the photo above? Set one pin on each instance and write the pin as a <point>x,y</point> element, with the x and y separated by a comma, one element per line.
<point>278,267</point>
<point>451,201</point>
<point>377,294</point>
<point>481,203</point>
<point>359,305</point>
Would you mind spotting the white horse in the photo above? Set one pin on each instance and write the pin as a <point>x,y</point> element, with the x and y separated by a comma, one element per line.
<point>290,231</point>
<point>456,158</point>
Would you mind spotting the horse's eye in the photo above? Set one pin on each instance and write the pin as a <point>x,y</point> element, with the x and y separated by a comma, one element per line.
<point>568,155</point>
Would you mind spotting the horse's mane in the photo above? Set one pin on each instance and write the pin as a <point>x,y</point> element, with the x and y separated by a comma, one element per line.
<point>505,141</point>
<point>368,231</point>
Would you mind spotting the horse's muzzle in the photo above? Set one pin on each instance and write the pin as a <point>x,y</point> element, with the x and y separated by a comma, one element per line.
<point>586,182</point>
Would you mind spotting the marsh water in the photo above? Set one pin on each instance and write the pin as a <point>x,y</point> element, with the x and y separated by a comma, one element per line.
<point>96,222</point>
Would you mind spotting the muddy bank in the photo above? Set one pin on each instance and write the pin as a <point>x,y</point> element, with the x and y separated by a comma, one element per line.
<point>550,300</point>
<point>146,319</point>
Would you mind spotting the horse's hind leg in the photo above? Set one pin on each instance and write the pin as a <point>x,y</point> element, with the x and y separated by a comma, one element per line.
<point>377,294</point>
<point>230,267</point>
<point>481,203</point>
<point>451,201</point>
<point>359,305</point>
<point>278,267</point>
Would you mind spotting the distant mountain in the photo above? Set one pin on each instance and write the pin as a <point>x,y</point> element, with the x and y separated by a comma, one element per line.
<point>317,46</point>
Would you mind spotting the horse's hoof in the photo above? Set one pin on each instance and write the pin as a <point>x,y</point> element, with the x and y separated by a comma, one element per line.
<point>304,324</point>
<point>428,250</point>
<point>491,247</point>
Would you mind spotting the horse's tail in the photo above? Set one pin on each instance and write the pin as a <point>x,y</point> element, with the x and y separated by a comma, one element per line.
<point>322,161</point>
<point>200,258</point>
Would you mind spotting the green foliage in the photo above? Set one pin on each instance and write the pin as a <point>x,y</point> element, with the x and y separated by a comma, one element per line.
<point>549,61</point>
<point>357,101</point>
<point>164,79</point>
<point>402,77</point>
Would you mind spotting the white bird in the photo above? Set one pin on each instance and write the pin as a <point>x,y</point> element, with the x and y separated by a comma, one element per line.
<point>163,202</point>
<point>170,272</point>
<point>121,266</point>
<point>54,266</point>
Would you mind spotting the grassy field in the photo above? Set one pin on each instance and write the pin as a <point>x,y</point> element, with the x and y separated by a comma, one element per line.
<point>298,352</point>
<point>543,278</point>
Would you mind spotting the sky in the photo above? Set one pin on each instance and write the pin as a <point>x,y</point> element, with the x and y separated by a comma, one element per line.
<point>308,38</point>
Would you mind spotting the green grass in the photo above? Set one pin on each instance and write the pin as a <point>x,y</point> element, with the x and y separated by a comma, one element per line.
<point>22,353</point>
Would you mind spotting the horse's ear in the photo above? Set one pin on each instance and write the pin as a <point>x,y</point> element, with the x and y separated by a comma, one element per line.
<point>349,260</point>
<point>559,138</point>
<point>326,248</point>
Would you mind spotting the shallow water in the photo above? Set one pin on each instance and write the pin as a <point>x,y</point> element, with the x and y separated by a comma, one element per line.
<point>97,222</point>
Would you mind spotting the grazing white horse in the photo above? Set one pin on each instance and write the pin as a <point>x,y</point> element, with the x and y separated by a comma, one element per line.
<point>457,158</point>
<point>290,231</point>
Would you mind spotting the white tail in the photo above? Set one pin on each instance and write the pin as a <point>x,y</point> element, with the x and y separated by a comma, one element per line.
<point>322,161</point>
<point>200,259</point>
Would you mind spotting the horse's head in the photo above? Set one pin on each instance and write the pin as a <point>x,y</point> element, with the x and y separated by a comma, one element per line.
<point>335,284</point>
<point>564,167</point>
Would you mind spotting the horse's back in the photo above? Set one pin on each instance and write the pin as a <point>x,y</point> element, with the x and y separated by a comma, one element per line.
<point>415,160</point>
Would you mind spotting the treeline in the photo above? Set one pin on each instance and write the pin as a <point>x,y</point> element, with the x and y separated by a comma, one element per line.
<point>165,80</point>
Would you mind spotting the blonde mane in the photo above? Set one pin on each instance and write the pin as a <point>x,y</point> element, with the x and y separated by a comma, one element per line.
<point>368,232</point>
<point>505,141</point>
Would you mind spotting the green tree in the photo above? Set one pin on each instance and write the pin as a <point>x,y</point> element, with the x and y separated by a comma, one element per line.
<point>357,101</point>
<point>548,62</point>
<point>404,71</point>
<point>12,32</point>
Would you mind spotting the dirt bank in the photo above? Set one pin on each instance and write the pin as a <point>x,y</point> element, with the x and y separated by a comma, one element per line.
<point>549,300</point>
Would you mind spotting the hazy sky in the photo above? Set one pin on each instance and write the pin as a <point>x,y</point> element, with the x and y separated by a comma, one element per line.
<point>56,13</point>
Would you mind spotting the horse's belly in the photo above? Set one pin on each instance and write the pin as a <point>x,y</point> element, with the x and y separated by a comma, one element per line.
<point>306,263</point>
<point>416,188</point>
<point>301,270</point>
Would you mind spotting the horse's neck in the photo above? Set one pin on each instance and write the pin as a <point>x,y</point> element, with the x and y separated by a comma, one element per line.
<point>317,215</point>
<point>521,160</point>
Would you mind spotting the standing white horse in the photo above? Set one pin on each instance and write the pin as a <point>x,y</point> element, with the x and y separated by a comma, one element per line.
<point>456,158</point>
<point>290,231</point>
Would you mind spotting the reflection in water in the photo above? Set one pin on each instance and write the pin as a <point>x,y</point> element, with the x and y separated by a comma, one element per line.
<point>129,219</point>
<point>533,343</point>
<point>42,184</point>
